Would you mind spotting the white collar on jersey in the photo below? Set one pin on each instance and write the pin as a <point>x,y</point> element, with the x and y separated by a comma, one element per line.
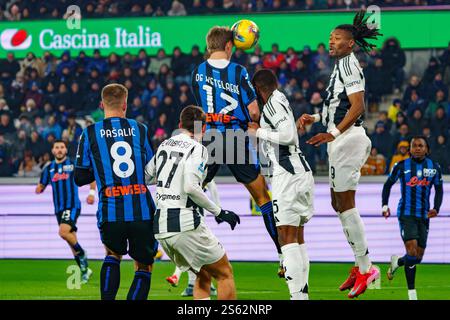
<point>218,63</point>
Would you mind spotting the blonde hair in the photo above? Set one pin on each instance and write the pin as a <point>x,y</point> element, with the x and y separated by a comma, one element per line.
<point>217,38</point>
<point>114,95</point>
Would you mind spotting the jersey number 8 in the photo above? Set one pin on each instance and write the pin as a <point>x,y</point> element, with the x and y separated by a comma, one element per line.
<point>122,159</point>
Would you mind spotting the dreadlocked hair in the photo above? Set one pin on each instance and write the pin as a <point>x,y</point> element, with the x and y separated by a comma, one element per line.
<point>360,31</point>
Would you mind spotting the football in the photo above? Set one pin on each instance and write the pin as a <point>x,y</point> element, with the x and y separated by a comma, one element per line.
<point>245,34</point>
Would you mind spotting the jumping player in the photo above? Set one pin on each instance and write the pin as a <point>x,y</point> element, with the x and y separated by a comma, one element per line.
<point>292,180</point>
<point>60,174</point>
<point>224,91</point>
<point>417,175</point>
<point>114,152</point>
<point>178,169</point>
<point>348,144</point>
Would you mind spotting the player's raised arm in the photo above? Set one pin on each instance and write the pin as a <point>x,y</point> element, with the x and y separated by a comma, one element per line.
<point>391,180</point>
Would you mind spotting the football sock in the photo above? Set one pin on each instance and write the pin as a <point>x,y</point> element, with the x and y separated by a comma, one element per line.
<point>401,261</point>
<point>293,266</point>
<point>177,272</point>
<point>192,277</point>
<point>78,249</point>
<point>141,286</point>
<point>354,231</point>
<point>305,259</point>
<point>110,278</point>
<point>269,222</point>
<point>410,271</point>
<point>77,259</point>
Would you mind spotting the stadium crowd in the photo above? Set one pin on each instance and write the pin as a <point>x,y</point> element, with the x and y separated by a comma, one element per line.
<point>15,10</point>
<point>41,98</point>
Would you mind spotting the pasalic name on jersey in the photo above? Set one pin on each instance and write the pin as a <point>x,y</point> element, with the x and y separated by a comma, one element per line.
<point>121,132</point>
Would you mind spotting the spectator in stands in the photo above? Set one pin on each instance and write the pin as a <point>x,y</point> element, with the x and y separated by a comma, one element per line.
<point>441,153</point>
<point>92,99</point>
<point>439,123</point>
<point>382,139</point>
<point>35,94</point>
<point>401,154</point>
<point>431,70</point>
<point>375,165</point>
<point>413,85</point>
<point>394,60</point>
<point>52,127</point>
<point>177,9</point>
<point>415,102</point>
<point>37,145</point>
<point>97,62</point>
<point>439,101</point>
<point>274,59</point>
<point>6,125</point>
<point>394,109</point>
<point>378,82</point>
<point>153,110</point>
<point>73,133</point>
<point>426,132</point>
<point>255,59</point>
<point>416,122</point>
<point>66,61</point>
<point>178,63</point>
<point>25,124</point>
<point>31,62</point>
<point>13,13</point>
<point>5,158</point>
<point>403,134</point>
<point>9,68</point>
<point>240,56</point>
<point>436,85</point>
<point>321,56</point>
<point>383,117</point>
<point>141,61</point>
<point>158,61</point>
<point>29,167</point>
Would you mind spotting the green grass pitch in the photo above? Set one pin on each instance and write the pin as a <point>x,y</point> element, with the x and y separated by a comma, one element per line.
<point>46,280</point>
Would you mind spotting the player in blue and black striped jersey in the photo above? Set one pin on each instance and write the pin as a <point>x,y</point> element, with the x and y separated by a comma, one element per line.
<point>114,152</point>
<point>224,91</point>
<point>60,174</point>
<point>417,176</point>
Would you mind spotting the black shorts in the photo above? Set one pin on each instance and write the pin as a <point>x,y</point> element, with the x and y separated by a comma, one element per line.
<point>243,164</point>
<point>135,238</point>
<point>413,228</point>
<point>70,217</point>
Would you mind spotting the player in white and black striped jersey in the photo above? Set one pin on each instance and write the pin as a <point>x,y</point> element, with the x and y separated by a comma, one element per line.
<point>178,168</point>
<point>292,180</point>
<point>348,144</point>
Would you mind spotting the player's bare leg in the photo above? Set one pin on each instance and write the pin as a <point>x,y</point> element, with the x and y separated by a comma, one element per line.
<point>293,261</point>
<point>223,273</point>
<point>258,190</point>
<point>354,231</point>
<point>66,233</point>
<point>202,285</point>
<point>140,286</point>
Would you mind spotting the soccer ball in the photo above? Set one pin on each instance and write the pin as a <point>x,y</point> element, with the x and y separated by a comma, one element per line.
<point>245,34</point>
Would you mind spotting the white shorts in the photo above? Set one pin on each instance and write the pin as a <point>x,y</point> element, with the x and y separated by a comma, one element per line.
<point>193,249</point>
<point>293,198</point>
<point>346,156</point>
